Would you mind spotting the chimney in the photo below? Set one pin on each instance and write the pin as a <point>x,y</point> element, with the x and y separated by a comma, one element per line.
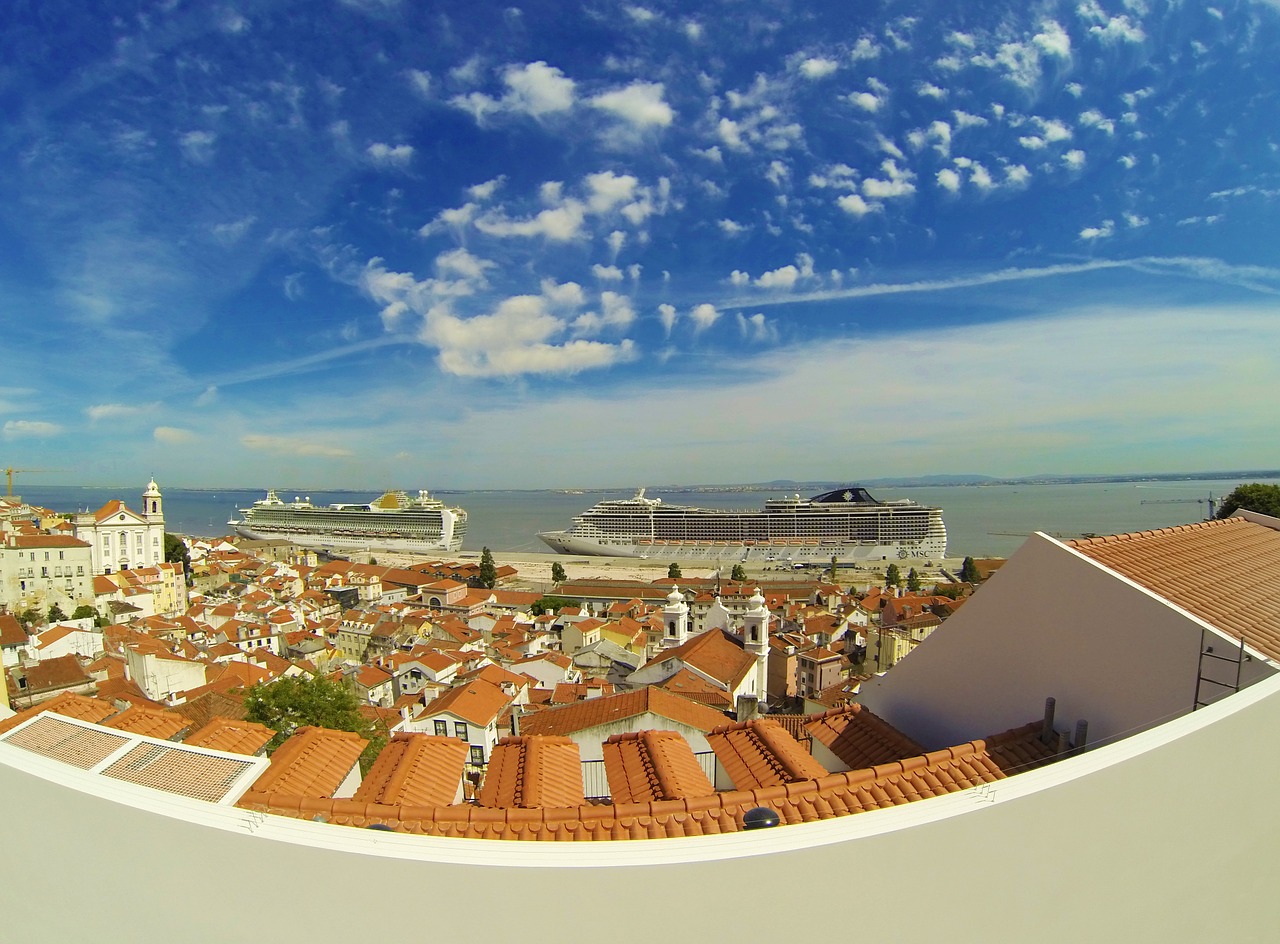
<point>747,708</point>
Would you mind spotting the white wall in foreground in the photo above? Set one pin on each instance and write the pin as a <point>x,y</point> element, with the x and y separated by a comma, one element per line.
<point>1120,841</point>
<point>1051,622</point>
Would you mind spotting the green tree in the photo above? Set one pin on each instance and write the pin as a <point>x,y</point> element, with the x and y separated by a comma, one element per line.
<point>558,575</point>
<point>548,604</point>
<point>834,565</point>
<point>175,552</point>
<point>28,617</point>
<point>85,611</point>
<point>1264,499</point>
<point>673,572</point>
<point>739,573</point>
<point>969,571</point>
<point>913,581</point>
<point>488,570</point>
<point>55,614</point>
<point>291,703</point>
<point>892,576</point>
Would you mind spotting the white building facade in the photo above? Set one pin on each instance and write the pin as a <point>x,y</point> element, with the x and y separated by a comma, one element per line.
<point>121,538</point>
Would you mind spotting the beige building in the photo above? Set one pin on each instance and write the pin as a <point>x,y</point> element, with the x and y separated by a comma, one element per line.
<point>38,571</point>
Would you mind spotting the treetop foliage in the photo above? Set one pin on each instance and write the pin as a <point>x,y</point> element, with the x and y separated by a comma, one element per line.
<point>291,703</point>
<point>1259,497</point>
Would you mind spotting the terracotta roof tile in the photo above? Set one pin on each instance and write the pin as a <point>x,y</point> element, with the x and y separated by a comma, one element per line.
<point>538,771</point>
<point>232,736</point>
<point>606,709</point>
<point>314,762</point>
<point>415,770</point>
<point>644,766</point>
<point>69,705</point>
<point>478,701</point>
<point>1226,572</point>
<point>760,753</point>
<point>149,722</point>
<point>860,738</point>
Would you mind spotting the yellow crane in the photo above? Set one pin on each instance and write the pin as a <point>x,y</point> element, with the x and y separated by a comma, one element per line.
<point>10,471</point>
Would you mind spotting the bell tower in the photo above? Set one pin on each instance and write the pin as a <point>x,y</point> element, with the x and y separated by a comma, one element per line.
<point>755,640</point>
<point>152,503</point>
<point>675,620</point>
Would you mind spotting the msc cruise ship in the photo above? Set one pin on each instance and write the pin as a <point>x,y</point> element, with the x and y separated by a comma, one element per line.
<point>846,523</point>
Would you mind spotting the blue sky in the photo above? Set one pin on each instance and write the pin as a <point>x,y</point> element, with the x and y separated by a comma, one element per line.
<point>364,243</point>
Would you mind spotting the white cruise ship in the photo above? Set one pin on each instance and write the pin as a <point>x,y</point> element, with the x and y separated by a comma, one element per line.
<point>393,522</point>
<point>846,523</point>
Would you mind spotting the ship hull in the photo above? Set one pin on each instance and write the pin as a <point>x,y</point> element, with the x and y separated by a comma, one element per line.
<point>348,544</point>
<point>808,551</point>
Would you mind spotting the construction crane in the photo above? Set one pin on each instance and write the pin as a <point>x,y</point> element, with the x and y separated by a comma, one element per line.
<point>1210,501</point>
<point>10,471</point>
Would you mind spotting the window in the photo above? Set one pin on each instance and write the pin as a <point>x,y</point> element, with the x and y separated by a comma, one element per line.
<point>477,755</point>
<point>44,571</point>
<point>442,728</point>
<point>62,555</point>
<point>460,729</point>
<point>80,570</point>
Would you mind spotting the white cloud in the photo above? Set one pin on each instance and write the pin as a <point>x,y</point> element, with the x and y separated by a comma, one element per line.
<point>293,446</point>
<point>1053,40</point>
<point>929,90</point>
<point>731,134</point>
<point>864,100</point>
<point>1016,175</point>
<point>386,155</point>
<point>965,120</point>
<point>640,15</point>
<point>818,67</point>
<point>197,146</point>
<point>462,263</point>
<point>607,273</point>
<point>173,435</point>
<point>1093,118</point>
<point>537,89</point>
<point>30,429</point>
<point>115,411</point>
<point>1054,130</point>
<point>781,278</point>
<point>703,316</point>
<point>896,183</point>
<point>641,103</point>
<point>757,328</point>
<point>420,82</point>
<point>739,278</point>
<point>558,224</point>
<point>1105,230</point>
<point>865,48</point>
<point>228,234</point>
<point>948,180</point>
<point>854,205</point>
<point>486,190</point>
<point>667,316</point>
<point>1074,159</point>
<point>1119,29</point>
<point>731,227</point>
<point>1133,220</point>
<point>606,190</point>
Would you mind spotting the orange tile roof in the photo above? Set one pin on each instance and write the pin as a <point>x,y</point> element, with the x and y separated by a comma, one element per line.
<point>232,736</point>
<point>607,709</point>
<point>11,631</point>
<point>854,791</point>
<point>478,701</point>
<point>312,763</point>
<point>68,704</point>
<point>538,771</point>
<point>644,766</point>
<point>415,770</point>
<point>695,687</point>
<point>151,722</point>
<point>760,753</point>
<point>1226,572</point>
<point>860,738</point>
<point>715,654</point>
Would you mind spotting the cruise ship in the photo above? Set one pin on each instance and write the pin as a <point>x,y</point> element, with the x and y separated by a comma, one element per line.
<point>393,522</point>
<point>846,523</point>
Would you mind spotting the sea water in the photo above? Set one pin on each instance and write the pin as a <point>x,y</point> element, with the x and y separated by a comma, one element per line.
<point>982,520</point>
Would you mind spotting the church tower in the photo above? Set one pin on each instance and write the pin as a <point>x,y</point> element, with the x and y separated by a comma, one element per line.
<point>755,640</point>
<point>675,620</point>
<point>152,503</point>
